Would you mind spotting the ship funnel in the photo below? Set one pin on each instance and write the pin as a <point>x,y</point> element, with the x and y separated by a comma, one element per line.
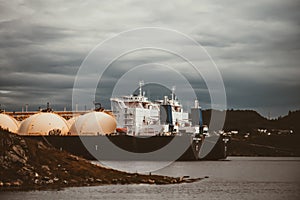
<point>166,116</point>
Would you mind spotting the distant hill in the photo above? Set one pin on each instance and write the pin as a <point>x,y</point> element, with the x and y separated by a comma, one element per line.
<point>279,143</point>
<point>249,121</point>
<point>290,121</point>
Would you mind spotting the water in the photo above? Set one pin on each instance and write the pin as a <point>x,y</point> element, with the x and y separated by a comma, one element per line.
<point>237,178</point>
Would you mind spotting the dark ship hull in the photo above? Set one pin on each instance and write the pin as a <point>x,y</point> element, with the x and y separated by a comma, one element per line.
<point>125,147</point>
<point>214,148</point>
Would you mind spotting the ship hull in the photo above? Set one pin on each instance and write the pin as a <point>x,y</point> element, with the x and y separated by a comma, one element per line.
<point>214,148</point>
<point>125,147</point>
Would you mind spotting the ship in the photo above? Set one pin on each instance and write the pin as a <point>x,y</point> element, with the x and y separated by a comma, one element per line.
<point>153,124</point>
<point>146,130</point>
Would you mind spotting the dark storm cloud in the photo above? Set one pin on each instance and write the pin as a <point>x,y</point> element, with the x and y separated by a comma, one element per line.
<point>255,45</point>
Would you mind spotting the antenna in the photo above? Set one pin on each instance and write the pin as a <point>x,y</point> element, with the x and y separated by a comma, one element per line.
<point>141,83</point>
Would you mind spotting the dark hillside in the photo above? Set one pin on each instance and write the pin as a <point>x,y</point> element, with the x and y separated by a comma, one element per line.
<point>258,136</point>
<point>248,121</point>
<point>290,121</point>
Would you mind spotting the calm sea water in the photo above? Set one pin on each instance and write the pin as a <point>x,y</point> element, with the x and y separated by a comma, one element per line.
<point>236,178</point>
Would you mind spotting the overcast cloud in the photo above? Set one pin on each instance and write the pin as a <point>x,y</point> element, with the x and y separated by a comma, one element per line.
<point>255,45</point>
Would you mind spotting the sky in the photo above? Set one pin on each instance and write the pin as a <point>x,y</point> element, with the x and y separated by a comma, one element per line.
<point>255,45</point>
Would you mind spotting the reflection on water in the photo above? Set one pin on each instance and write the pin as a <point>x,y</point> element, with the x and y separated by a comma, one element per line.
<point>236,178</point>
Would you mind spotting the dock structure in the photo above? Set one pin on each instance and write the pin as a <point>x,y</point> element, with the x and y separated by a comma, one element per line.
<point>65,114</point>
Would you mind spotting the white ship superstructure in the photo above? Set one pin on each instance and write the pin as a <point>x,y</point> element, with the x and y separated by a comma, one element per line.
<point>143,117</point>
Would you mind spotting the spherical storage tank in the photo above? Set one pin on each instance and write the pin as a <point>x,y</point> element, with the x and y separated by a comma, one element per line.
<point>9,123</point>
<point>44,124</point>
<point>94,123</point>
<point>72,120</point>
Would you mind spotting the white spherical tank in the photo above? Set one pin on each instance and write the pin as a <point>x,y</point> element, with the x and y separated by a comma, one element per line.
<point>72,120</point>
<point>9,123</point>
<point>94,123</point>
<point>44,124</point>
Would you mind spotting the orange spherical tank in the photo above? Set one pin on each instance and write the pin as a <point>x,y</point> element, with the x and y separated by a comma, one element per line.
<point>94,123</point>
<point>9,123</point>
<point>44,124</point>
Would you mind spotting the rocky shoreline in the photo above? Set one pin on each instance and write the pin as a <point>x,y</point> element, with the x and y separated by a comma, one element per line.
<point>31,165</point>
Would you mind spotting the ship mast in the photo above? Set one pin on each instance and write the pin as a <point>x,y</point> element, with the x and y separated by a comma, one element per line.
<point>173,93</point>
<point>141,83</point>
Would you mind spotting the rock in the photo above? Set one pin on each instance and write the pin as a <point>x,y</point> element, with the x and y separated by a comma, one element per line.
<point>115,180</point>
<point>99,180</point>
<point>8,142</point>
<point>23,144</point>
<point>36,174</point>
<point>41,145</point>
<point>7,184</point>
<point>46,178</point>
<point>173,181</point>
<point>17,183</point>
<point>49,173</point>
<point>18,150</point>
<point>11,156</point>
<point>26,171</point>
<point>65,182</point>
<point>72,157</point>
<point>151,181</point>
<point>4,163</point>
<point>56,179</point>
<point>50,181</point>
<point>45,168</point>
<point>144,181</point>
<point>90,179</point>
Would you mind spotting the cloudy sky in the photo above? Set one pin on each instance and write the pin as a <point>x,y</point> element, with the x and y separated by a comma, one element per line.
<point>255,45</point>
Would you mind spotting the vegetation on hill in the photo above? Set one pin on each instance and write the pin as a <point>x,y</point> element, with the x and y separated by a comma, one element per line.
<point>259,136</point>
<point>248,121</point>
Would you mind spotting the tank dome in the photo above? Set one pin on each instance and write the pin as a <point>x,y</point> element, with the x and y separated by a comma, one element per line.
<point>8,122</point>
<point>44,124</point>
<point>71,120</point>
<point>94,123</point>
